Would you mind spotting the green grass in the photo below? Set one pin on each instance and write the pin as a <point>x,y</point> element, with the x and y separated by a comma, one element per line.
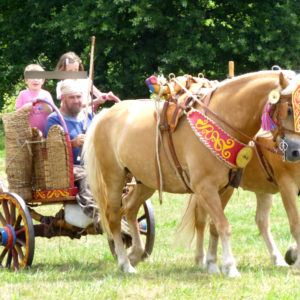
<point>85,269</point>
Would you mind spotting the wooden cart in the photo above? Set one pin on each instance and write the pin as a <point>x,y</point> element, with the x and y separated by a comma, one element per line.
<point>51,182</point>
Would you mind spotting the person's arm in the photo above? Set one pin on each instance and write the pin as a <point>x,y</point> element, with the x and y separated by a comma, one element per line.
<point>20,106</point>
<point>28,107</point>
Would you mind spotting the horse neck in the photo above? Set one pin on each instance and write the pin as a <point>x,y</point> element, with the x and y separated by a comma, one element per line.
<point>240,103</point>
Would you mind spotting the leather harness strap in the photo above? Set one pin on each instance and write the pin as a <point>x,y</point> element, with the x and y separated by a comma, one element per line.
<point>265,164</point>
<point>163,123</point>
<point>165,128</point>
<point>175,160</point>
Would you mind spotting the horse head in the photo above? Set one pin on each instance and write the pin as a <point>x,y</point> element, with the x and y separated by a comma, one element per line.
<point>282,117</point>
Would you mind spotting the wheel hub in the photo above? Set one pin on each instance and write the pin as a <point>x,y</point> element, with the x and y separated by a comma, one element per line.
<point>8,237</point>
<point>143,225</point>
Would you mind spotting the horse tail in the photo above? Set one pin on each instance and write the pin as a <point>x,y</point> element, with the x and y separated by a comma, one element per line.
<point>186,230</point>
<point>94,174</point>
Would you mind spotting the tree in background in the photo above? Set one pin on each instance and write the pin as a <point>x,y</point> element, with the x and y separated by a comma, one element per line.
<point>138,38</point>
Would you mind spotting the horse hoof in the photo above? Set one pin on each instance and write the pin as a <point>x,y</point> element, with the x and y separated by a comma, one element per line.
<point>212,268</point>
<point>135,257</point>
<point>279,262</point>
<point>291,255</point>
<point>231,271</point>
<point>200,261</point>
<point>128,269</point>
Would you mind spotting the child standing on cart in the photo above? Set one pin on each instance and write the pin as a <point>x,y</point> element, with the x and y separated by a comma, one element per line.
<point>26,98</point>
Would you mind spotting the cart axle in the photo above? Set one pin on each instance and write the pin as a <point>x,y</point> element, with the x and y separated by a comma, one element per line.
<point>8,237</point>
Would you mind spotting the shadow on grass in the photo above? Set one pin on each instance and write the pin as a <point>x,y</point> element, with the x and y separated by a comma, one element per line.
<point>81,271</point>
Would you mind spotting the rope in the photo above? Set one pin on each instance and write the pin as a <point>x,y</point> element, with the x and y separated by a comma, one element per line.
<point>21,147</point>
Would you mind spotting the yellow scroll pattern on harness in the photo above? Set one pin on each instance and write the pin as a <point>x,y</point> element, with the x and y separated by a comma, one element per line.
<point>210,134</point>
<point>296,108</point>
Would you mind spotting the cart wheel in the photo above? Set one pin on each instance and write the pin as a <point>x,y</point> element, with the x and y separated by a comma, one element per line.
<point>16,232</point>
<point>146,223</point>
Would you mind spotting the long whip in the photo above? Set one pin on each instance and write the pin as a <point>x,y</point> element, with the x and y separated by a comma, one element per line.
<point>90,83</point>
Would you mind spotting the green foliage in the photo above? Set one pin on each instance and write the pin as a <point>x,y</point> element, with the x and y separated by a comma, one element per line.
<point>9,100</point>
<point>137,38</point>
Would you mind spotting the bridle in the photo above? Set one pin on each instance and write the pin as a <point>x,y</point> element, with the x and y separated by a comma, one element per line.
<point>279,112</point>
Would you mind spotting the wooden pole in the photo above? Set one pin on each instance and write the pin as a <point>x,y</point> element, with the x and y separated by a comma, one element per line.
<point>88,94</point>
<point>90,83</point>
<point>231,69</point>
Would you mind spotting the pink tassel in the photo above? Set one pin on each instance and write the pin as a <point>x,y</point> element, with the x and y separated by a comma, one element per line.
<point>267,123</point>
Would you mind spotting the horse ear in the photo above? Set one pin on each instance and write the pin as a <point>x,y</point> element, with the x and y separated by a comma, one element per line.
<point>283,82</point>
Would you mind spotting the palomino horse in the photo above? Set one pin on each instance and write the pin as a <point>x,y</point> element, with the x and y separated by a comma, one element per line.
<point>277,176</point>
<point>123,141</point>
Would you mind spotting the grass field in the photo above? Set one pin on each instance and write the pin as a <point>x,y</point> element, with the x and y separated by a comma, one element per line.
<point>85,269</point>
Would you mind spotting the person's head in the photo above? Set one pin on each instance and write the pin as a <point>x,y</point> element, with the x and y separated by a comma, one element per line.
<point>71,97</point>
<point>34,85</point>
<point>69,62</point>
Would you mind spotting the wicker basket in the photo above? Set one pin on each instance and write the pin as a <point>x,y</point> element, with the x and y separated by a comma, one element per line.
<point>39,152</point>
<point>18,161</point>
<point>57,163</point>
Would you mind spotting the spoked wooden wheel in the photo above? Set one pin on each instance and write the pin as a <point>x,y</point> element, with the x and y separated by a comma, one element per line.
<point>16,232</point>
<point>146,224</point>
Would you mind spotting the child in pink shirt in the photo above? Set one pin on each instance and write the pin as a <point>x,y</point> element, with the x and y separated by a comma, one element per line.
<point>26,98</point>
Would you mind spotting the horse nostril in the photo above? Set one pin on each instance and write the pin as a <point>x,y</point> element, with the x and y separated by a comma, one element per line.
<point>296,153</point>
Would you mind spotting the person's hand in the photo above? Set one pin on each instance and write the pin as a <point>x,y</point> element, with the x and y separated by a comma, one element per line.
<point>112,96</point>
<point>78,141</point>
<point>28,107</point>
<point>101,99</point>
<point>106,96</point>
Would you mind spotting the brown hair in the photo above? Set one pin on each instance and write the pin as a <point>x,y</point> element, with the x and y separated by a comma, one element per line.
<point>68,58</point>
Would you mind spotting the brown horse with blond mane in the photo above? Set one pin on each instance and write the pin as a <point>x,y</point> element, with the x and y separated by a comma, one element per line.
<point>123,141</point>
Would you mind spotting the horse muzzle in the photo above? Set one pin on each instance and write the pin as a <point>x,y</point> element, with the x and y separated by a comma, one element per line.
<point>290,148</point>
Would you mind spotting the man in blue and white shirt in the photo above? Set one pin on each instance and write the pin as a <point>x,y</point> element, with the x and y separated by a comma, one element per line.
<point>74,116</point>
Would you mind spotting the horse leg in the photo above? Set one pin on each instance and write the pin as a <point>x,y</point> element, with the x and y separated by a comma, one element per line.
<point>210,201</point>
<point>211,257</point>
<point>132,203</point>
<point>200,225</point>
<point>289,197</point>
<point>114,180</point>
<point>262,219</point>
